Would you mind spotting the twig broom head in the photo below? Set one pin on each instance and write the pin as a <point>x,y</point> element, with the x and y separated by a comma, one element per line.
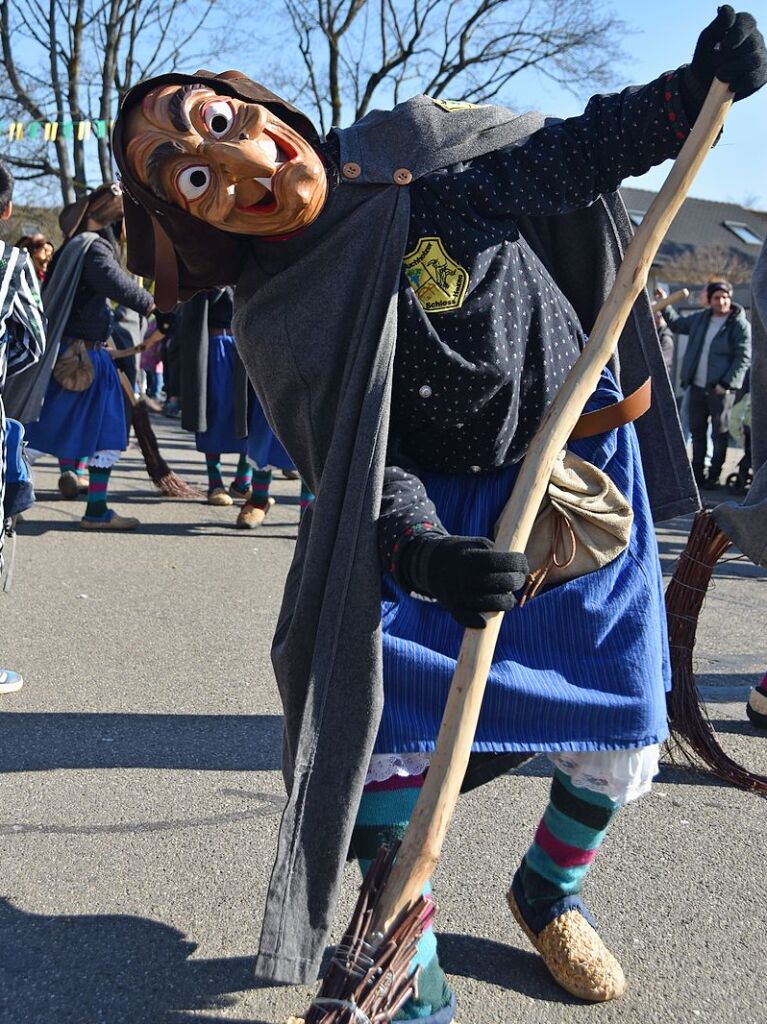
<point>162,475</point>
<point>370,978</point>
<point>690,725</point>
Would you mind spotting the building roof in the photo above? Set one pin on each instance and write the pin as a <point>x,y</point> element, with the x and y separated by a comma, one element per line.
<point>703,222</point>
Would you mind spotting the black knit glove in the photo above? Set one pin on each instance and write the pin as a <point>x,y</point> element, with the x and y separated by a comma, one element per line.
<point>465,574</point>
<point>731,49</point>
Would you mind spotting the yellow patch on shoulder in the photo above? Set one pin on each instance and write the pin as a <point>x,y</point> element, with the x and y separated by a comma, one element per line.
<point>438,281</point>
<point>451,105</point>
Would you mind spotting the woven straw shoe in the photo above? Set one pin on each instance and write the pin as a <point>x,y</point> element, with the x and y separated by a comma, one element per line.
<point>112,521</point>
<point>218,496</point>
<point>250,517</point>
<point>575,955</point>
<point>69,485</point>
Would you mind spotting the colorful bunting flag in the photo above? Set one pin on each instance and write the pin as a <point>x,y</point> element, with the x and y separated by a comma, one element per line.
<point>51,130</point>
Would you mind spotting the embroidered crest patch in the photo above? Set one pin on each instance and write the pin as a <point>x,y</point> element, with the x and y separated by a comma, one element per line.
<point>438,281</point>
<point>451,105</point>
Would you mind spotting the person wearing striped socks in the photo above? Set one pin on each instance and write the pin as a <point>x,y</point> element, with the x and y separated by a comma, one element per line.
<point>89,424</point>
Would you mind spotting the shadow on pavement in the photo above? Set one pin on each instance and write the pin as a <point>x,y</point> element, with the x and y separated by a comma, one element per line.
<point>111,967</point>
<point>738,727</point>
<point>40,741</point>
<point>495,963</point>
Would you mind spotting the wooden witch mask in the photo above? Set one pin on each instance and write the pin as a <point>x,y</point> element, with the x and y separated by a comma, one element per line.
<point>207,160</point>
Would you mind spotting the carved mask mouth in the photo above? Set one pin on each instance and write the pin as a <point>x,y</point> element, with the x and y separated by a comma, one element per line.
<point>280,153</point>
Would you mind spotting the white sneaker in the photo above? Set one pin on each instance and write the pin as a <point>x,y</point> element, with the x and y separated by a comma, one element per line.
<point>10,681</point>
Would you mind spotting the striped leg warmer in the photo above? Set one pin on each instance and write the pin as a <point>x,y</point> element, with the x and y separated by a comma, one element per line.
<point>565,846</point>
<point>384,812</point>
<point>98,483</point>
<point>243,475</point>
<point>261,482</point>
<point>213,466</point>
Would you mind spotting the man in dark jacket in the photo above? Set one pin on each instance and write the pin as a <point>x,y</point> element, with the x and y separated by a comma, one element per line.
<point>715,362</point>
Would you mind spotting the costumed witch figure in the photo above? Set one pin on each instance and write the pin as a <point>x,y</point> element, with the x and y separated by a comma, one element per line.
<point>216,400</point>
<point>74,406</point>
<point>410,293</point>
<point>220,407</point>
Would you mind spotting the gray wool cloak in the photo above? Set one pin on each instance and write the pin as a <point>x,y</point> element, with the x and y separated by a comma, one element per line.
<point>315,323</point>
<point>746,523</point>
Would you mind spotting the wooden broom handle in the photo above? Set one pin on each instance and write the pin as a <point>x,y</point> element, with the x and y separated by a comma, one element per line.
<point>657,304</point>
<point>423,840</point>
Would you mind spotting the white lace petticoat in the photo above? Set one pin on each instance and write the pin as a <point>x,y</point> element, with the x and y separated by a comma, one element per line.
<point>621,775</point>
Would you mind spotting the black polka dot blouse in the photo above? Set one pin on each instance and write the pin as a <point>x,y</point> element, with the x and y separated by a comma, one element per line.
<point>485,336</point>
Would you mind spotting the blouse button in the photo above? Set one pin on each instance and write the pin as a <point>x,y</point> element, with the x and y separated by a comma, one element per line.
<point>475,469</point>
<point>352,170</point>
<point>425,391</point>
<point>403,176</point>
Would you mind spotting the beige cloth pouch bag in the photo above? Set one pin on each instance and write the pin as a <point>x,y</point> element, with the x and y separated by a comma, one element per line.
<point>583,524</point>
<point>73,370</point>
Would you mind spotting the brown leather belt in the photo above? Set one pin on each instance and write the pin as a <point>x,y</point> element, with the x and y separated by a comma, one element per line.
<point>615,415</point>
<point>219,332</point>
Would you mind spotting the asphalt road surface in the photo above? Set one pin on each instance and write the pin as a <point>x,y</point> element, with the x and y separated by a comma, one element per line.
<point>140,793</point>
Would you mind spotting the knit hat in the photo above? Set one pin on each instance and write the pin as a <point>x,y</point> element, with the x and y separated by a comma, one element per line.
<point>718,286</point>
<point>182,253</point>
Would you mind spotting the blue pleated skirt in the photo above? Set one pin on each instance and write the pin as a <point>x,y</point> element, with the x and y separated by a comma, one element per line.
<point>76,424</point>
<point>263,447</point>
<point>220,435</point>
<point>582,666</point>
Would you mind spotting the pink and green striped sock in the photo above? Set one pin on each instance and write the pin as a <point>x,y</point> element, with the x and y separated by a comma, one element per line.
<point>77,466</point>
<point>243,475</point>
<point>213,467</point>
<point>98,483</point>
<point>261,482</point>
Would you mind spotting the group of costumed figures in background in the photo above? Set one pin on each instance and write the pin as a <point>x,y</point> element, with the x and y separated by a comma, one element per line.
<point>74,406</point>
<point>410,294</point>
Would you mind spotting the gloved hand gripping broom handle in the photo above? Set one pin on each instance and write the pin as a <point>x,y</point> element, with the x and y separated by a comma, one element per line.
<point>422,844</point>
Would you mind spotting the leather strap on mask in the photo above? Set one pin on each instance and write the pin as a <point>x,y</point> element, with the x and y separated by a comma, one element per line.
<point>165,269</point>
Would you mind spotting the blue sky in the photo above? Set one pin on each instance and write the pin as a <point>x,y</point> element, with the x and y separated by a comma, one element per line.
<point>664,36</point>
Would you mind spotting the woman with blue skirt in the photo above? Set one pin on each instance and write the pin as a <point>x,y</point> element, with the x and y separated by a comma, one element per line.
<point>88,427</point>
<point>216,399</point>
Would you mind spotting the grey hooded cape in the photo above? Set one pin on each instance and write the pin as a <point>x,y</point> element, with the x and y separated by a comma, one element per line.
<point>746,523</point>
<point>315,322</point>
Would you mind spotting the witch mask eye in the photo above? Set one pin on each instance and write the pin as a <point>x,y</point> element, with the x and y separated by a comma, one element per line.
<point>218,117</point>
<point>192,182</point>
